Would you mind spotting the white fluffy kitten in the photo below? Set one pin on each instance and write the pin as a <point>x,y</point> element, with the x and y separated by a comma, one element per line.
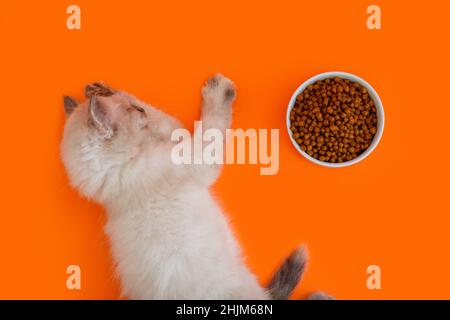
<point>168,236</point>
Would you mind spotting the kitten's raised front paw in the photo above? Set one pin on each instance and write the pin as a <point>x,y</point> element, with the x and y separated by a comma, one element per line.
<point>219,88</point>
<point>99,89</point>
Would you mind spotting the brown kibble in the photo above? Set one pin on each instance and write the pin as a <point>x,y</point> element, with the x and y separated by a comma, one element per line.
<point>334,120</point>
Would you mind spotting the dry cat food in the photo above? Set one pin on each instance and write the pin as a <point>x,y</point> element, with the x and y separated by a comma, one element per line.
<point>334,120</point>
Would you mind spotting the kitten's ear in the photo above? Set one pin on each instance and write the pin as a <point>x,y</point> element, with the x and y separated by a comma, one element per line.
<point>69,105</point>
<point>102,115</point>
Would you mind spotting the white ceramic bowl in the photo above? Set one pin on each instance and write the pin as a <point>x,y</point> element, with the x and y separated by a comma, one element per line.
<point>373,94</point>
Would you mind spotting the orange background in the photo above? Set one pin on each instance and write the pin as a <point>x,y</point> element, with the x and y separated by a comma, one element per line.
<point>391,210</point>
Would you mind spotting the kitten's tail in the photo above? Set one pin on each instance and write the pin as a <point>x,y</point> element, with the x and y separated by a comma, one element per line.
<point>288,275</point>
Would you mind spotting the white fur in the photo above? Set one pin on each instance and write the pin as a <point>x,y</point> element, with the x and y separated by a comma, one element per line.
<point>169,238</point>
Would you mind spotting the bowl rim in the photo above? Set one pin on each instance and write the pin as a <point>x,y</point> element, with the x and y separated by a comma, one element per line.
<point>373,94</point>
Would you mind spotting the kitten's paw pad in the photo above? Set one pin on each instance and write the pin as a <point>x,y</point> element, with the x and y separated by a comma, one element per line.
<point>99,89</point>
<point>319,295</point>
<point>219,87</point>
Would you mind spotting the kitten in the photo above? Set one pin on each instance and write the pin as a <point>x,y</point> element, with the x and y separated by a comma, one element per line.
<point>168,236</point>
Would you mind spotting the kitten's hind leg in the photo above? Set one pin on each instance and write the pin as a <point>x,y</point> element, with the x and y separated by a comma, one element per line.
<point>319,295</point>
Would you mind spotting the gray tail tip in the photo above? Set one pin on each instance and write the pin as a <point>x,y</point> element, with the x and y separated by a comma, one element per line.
<point>300,254</point>
<point>289,274</point>
<point>298,259</point>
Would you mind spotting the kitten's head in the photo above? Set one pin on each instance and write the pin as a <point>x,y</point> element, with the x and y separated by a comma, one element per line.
<point>101,135</point>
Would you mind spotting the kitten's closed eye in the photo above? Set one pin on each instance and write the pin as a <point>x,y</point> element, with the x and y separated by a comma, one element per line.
<point>138,108</point>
